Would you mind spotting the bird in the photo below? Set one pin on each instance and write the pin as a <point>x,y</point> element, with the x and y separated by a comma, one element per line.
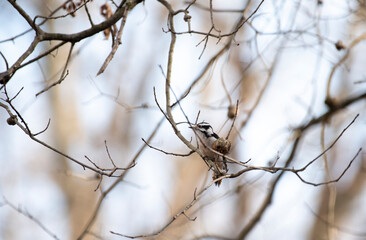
<point>209,142</point>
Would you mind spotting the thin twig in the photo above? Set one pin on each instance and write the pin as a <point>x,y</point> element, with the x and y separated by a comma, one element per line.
<point>6,61</point>
<point>39,24</point>
<point>5,76</point>
<point>212,18</point>
<point>232,124</point>
<point>117,42</point>
<point>31,217</point>
<point>217,10</point>
<point>115,183</point>
<point>88,14</point>
<point>45,53</point>
<point>230,34</point>
<point>27,131</point>
<point>205,39</point>
<point>329,100</point>
<point>64,72</point>
<point>330,146</point>
<point>69,13</point>
<point>168,153</point>
<point>196,197</point>
<point>334,180</point>
<point>42,131</point>
<point>109,155</point>
<point>9,101</point>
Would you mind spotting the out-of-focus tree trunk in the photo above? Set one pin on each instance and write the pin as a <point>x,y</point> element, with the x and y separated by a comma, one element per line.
<point>335,205</point>
<point>79,195</point>
<point>343,207</point>
<point>248,93</point>
<point>65,126</point>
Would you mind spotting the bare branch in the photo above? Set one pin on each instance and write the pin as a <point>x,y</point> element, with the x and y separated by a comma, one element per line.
<point>330,181</point>
<point>116,44</point>
<point>329,100</point>
<point>115,183</point>
<point>45,53</point>
<point>25,15</point>
<point>168,153</point>
<point>330,146</point>
<point>48,124</point>
<point>6,62</point>
<point>196,197</point>
<point>5,76</point>
<point>235,115</point>
<point>244,20</point>
<point>26,130</point>
<point>109,155</point>
<point>63,75</point>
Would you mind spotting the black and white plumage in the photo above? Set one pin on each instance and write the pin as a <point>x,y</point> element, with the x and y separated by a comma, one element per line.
<point>206,138</point>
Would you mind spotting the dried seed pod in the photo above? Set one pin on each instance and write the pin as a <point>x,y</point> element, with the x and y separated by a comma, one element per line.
<point>106,10</point>
<point>222,145</point>
<point>11,120</point>
<point>231,111</point>
<point>187,17</point>
<point>339,45</point>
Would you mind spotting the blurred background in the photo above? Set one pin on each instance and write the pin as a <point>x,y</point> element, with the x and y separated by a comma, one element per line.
<point>277,66</point>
